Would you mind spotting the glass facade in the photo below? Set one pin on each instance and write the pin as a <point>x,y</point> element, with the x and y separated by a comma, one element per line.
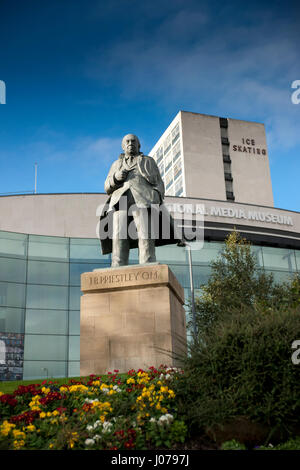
<point>40,295</point>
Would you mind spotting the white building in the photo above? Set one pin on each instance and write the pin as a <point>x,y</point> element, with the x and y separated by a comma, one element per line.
<point>215,158</point>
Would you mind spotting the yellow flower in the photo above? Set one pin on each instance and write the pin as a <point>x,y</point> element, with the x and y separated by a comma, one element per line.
<point>130,380</point>
<point>18,444</point>
<point>63,388</point>
<point>72,439</point>
<point>55,413</point>
<point>30,428</point>
<point>6,427</point>
<point>46,390</point>
<point>18,434</point>
<point>42,414</point>
<point>78,388</point>
<point>96,383</point>
<point>34,404</point>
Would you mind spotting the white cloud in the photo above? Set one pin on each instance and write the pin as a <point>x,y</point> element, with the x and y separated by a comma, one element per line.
<point>191,60</point>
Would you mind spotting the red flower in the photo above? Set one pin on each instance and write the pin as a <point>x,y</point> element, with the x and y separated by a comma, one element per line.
<point>8,399</point>
<point>61,410</point>
<point>32,389</point>
<point>50,397</point>
<point>27,417</point>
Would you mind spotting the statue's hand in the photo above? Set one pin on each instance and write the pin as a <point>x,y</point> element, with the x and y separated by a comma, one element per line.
<point>120,175</point>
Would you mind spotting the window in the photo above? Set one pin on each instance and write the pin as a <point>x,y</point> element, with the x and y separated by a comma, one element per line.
<point>75,295</point>
<point>178,187</point>
<point>13,244</point>
<point>279,258</point>
<point>74,348</point>
<point>161,168</point>
<point>168,161</point>
<point>229,195</point>
<point>12,269</point>
<point>176,151</point>
<point>228,185</point>
<point>11,320</point>
<point>177,169</point>
<point>224,132</point>
<point>52,248</point>
<point>159,154</point>
<point>54,322</point>
<point>227,167</point>
<point>47,272</point>
<point>45,348</point>
<point>223,122</point>
<point>74,322</point>
<point>175,133</point>
<point>74,369</point>
<point>12,295</point>
<point>87,250</point>
<point>169,179</point>
<point>167,144</point>
<point>226,157</point>
<point>228,177</point>
<point>44,369</point>
<point>48,297</point>
<point>170,190</point>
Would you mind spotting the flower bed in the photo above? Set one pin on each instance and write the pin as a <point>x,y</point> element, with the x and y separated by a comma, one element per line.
<point>136,410</point>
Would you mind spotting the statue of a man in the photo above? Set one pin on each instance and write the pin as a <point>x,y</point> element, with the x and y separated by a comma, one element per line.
<point>136,190</point>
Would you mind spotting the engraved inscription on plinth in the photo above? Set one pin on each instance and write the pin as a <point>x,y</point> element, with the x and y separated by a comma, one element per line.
<point>131,317</point>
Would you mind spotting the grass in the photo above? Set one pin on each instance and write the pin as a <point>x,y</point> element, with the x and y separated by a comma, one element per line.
<point>11,386</point>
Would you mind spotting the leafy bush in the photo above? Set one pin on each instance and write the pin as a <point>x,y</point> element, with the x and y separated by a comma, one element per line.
<point>239,381</point>
<point>237,282</point>
<point>291,444</point>
<point>243,367</point>
<point>232,445</point>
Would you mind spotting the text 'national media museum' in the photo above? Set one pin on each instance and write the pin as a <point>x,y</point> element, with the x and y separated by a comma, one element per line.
<point>215,167</point>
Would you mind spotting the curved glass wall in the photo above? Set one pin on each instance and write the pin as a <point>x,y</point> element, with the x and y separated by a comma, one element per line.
<point>40,295</point>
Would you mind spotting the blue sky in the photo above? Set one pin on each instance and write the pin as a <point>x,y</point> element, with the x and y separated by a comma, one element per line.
<point>81,74</point>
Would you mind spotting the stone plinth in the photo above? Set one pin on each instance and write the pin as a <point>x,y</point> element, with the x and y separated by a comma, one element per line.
<point>131,317</point>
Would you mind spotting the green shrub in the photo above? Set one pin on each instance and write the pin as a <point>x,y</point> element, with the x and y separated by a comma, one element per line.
<point>242,369</point>
<point>291,444</point>
<point>233,445</point>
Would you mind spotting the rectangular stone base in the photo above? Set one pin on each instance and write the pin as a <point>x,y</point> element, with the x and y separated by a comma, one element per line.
<point>130,318</point>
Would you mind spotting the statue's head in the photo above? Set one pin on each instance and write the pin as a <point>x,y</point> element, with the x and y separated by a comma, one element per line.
<point>131,144</point>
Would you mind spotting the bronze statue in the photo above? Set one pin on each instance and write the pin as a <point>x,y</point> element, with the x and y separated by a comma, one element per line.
<point>135,208</point>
